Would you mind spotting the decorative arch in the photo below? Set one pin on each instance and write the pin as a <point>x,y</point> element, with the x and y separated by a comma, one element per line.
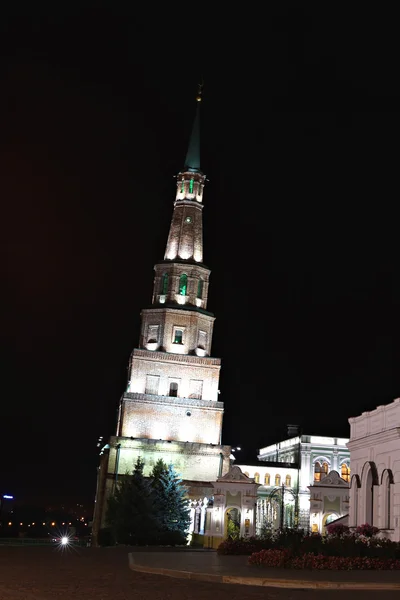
<point>369,479</point>
<point>364,472</point>
<point>387,481</point>
<point>288,481</point>
<point>256,477</point>
<point>389,475</point>
<point>267,479</point>
<point>277,479</point>
<point>355,480</point>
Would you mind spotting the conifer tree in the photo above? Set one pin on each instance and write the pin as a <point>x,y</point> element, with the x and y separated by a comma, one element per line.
<point>172,504</point>
<point>131,512</point>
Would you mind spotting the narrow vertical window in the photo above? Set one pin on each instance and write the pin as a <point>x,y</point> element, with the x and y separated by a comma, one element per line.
<point>267,479</point>
<point>164,284</point>
<point>191,186</point>
<point>288,481</point>
<point>256,477</point>
<point>183,285</point>
<point>345,472</point>
<point>182,185</point>
<point>277,480</point>
<point>178,336</point>
<point>317,471</point>
<point>173,390</point>
<point>200,288</point>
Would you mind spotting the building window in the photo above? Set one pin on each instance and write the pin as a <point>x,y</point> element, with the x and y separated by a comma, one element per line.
<point>345,472</point>
<point>277,480</point>
<point>256,477</point>
<point>152,333</point>
<point>200,288</point>
<point>173,389</point>
<point>164,284</point>
<point>288,481</point>
<point>178,336</point>
<point>182,185</point>
<point>183,284</point>
<point>152,384</point>
<point>320,470</point>
<point>267,479</point>
<point>191,186</point>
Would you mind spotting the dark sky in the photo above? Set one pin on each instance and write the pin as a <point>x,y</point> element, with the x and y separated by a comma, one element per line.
<point>300,131</point>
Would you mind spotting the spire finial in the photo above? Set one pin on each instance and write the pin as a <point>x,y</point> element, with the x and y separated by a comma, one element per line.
<point>199,90</point>
<point>192,162</point>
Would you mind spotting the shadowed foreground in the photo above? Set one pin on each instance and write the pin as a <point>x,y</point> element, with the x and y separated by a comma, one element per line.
<point>41,573</point>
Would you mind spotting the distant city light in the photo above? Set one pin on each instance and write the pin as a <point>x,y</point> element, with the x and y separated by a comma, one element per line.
<point>64,541</point>
<point>7,497</point>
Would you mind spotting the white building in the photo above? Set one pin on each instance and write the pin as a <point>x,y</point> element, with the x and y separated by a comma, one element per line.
<point>375,466</point>
<point>291,467</point>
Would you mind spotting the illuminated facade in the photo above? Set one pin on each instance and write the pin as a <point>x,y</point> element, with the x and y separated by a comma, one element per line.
<point>375,469</point>
<point>171,408</point>
<point>296,464</point>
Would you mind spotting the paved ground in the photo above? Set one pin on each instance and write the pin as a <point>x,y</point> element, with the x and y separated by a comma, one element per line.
<point>31,573</point>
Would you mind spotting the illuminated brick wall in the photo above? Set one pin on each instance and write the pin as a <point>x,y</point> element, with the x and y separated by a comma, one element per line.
<point>177,419</point>
<point>180,368</point>
<point>190,322</point>
<point>193,462</point>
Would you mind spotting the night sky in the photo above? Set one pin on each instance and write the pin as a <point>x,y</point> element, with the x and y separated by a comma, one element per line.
<point>300,143</point>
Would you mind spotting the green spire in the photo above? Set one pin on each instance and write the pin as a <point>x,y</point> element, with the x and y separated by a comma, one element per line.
<point>192,162</point>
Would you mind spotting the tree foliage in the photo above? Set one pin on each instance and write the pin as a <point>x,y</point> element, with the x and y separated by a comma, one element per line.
<point>149,511</point>
<point>172,504</point>
<point>131,512</point>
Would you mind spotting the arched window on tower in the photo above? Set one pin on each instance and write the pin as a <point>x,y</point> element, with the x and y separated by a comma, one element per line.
<point>182,185</point>
<point>191,186</point>
<point>267,479</point>
<point>256,477</point>
<point>345,472</point>
<point>183,284</point>
<point>277,480</point>
<point>288,481</point>
<point>164,284</point>
<point>200,288</point>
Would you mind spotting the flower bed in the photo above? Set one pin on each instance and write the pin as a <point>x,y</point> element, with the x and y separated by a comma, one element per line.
<point>339,549</point>
<point>285,559</point>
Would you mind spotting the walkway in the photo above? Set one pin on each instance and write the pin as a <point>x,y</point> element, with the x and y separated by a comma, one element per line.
<point>207,565</point>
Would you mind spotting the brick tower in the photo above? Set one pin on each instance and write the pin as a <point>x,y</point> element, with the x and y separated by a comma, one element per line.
<point>171,409</point>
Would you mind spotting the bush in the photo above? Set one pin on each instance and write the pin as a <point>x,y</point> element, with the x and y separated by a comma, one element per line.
<point>338,530</point>
<point>242,545</point>
<point>367,530</point>
<point>286,559</point>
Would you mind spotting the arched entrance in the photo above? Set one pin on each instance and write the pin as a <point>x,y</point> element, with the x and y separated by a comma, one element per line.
<point>232,523</point>
<point>327,519</point>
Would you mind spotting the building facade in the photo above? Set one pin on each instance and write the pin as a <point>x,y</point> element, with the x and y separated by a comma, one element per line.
<point>285,472</point>
<point>171,408</point>
<point>375,469</point>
